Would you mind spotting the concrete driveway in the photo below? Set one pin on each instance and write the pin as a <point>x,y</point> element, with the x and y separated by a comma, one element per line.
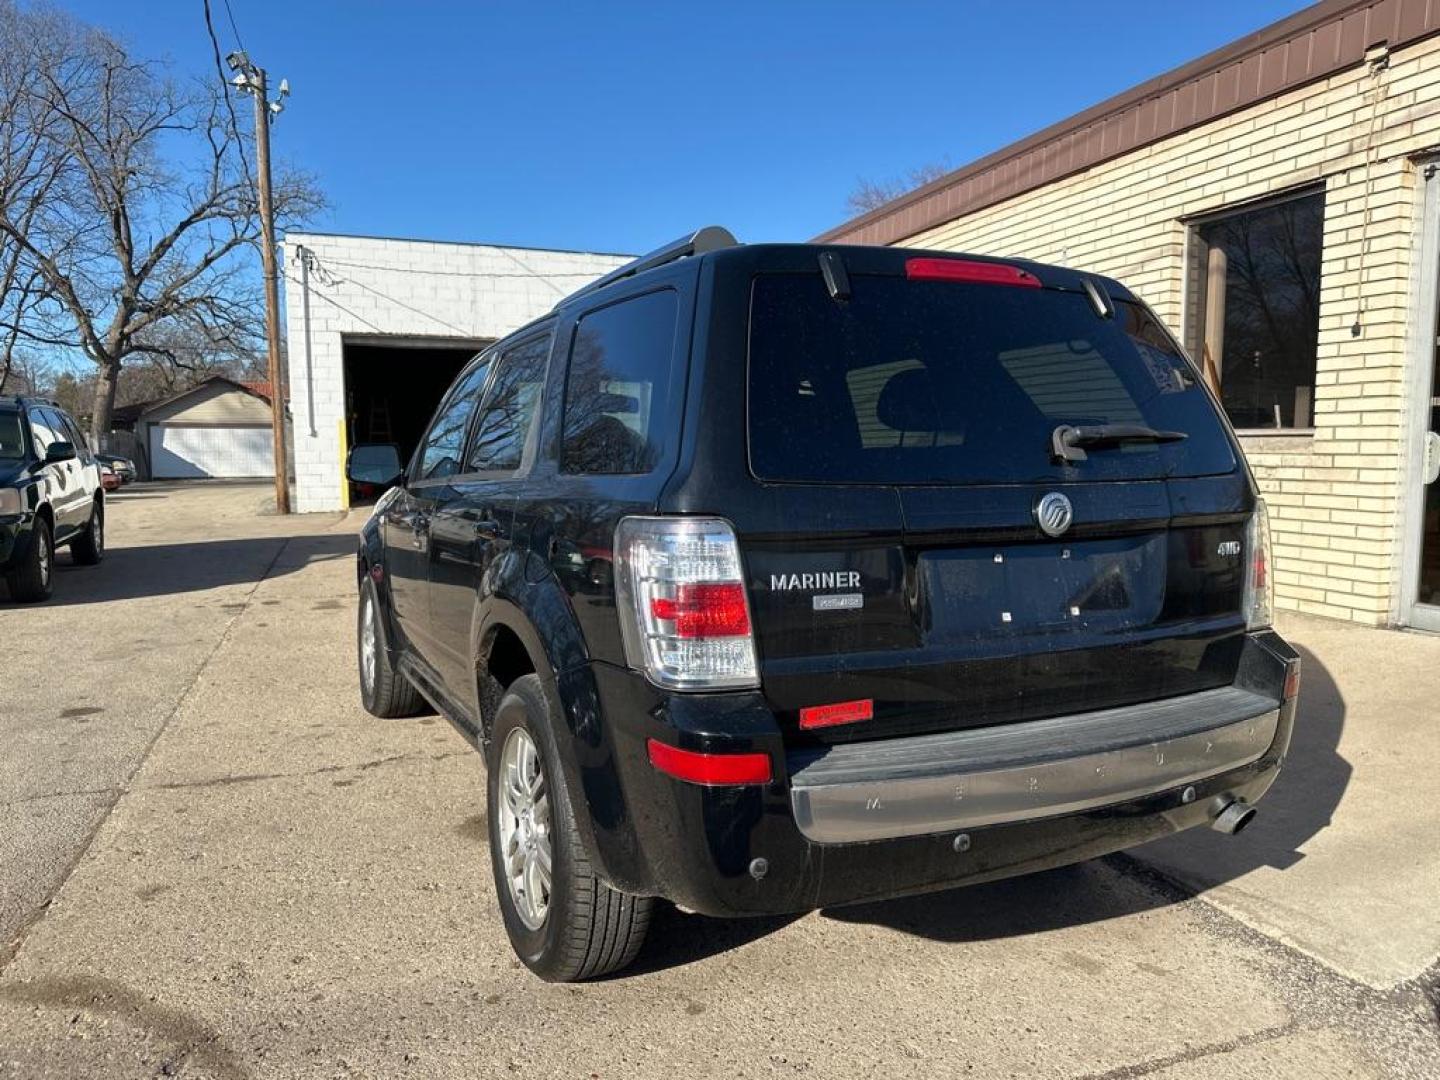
<point>214,863</point>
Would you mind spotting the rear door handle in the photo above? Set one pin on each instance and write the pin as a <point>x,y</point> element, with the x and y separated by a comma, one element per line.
<point>486,530</point>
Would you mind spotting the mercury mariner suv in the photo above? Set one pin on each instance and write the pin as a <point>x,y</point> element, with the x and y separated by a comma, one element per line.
<point>774,577</point>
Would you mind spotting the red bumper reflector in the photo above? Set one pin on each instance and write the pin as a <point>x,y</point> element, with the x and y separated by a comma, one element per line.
<point>705,609</point>
<point>1292,682</point>
<point>982,273</point>
<point>712,770</point>
<point>843,712</point>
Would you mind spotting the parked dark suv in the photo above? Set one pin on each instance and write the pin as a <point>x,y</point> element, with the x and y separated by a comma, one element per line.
<point>775,577</point>
<point>50,495</point>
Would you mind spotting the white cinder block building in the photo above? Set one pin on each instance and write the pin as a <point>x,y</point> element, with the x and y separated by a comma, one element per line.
<point>376,329</point>
<point>1277,202</point>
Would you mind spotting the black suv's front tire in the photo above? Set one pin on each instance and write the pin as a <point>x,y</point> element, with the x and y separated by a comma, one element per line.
<point>564,923</point>
<point>31,581</point>
<point>384,691</point>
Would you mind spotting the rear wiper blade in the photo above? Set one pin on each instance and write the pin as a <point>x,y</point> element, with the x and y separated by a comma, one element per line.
<point>1066,440</point>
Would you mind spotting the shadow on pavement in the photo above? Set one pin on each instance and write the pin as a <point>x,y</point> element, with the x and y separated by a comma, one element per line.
<point>170,569</point>
<point>1298,806</point>
<point>678,938</point>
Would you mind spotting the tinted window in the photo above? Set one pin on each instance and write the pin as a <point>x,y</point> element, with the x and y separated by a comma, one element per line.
<point>510,407</point>
<point>41,431</point>
<point>616,388</point>
<point>441,452</point>
<point>70,430</point>
<point>943,382</point>
<point>12,441</point>
<point>1254,310</point>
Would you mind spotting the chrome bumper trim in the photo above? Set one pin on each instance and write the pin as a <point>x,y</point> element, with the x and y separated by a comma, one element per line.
<point>990,776</point>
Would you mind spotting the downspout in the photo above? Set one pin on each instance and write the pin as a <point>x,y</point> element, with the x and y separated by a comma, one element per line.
<point>305,258</point>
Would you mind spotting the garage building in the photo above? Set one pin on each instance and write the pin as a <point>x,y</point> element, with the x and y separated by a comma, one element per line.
<point>1277,202</point>
<point>217,429</point>
<point>377,328</point>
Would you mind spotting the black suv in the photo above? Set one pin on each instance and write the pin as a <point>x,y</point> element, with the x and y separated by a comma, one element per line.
<point>50,495</point>
<point>775,577</point>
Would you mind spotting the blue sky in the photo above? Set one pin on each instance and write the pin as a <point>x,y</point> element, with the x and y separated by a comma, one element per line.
<point>615,126</point>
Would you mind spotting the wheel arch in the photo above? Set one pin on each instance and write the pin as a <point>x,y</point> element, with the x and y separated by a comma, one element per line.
<point>534,630</point>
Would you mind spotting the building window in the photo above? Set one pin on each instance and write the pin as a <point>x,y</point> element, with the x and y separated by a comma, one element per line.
<point>1254,311</point>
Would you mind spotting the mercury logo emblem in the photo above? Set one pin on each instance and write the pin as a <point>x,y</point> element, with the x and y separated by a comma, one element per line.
<point>1053,513</point>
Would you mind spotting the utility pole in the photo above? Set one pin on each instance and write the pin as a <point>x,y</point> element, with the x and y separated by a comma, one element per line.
<point>250,79</point>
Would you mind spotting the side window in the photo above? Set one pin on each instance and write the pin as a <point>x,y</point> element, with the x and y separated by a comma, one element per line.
<point>70,430</point>
<point>41,432</point>
<point>617,385</point>
<point>510,407</point>
<point>440,454</point>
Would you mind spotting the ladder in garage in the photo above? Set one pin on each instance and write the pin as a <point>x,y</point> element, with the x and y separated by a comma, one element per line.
<point>380,421</point>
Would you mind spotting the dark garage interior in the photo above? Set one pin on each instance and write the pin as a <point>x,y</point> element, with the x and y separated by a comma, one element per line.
<point>391,390</point>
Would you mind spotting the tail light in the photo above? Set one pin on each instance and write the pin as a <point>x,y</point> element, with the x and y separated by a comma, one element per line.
<point>1292,680</point>
<point>1258,569</point>
<point>684,612</point>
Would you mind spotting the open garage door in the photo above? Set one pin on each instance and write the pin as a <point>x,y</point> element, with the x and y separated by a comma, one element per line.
<point>197,451</point>
<point>392,389</point>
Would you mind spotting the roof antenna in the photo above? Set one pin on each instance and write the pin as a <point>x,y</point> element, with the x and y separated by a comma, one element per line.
<point>1099,297</point>
<point>832,269</point>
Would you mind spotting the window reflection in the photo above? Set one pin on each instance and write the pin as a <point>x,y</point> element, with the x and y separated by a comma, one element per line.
<point>1255,309</point>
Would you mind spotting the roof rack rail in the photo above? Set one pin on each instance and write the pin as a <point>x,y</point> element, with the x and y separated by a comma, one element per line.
<point>710,238</point>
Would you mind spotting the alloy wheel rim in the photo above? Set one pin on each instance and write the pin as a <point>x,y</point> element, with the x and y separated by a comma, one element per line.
<point>525,851</point>
<point>367,645</point>
<point>99,531</point>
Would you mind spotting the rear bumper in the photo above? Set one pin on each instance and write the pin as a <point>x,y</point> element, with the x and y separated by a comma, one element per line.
<point>881,819</point>
<point>1024,772</point>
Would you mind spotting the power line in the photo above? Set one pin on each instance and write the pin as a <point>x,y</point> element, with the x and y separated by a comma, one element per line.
<point>408,307</point>
<point>525,266</point>
<point>233,28</point>
<point>224,82</point>
<point>589,274</point>
<point>336,303</point>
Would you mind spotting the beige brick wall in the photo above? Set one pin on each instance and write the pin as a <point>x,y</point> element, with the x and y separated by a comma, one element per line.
<point>1334,497</point>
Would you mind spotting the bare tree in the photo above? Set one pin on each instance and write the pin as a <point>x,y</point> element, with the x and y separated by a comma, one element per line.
<point>30,177</point>
<point>125,192</point>
<point>870,194</point>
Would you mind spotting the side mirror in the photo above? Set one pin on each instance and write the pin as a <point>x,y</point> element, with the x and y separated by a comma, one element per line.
<point>376,464</point>
<point>59,451</point>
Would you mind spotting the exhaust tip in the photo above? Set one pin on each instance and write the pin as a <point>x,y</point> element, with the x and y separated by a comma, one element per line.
<point>1233,817</point>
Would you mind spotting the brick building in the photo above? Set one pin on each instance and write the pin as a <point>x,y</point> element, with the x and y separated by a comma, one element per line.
<point>1276,203</point>
<point>376,330</point>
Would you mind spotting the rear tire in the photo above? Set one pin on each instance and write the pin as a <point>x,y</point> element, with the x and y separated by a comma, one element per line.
<point>31,581</point>
<point>384,691</point>
<point>88,548</point>
<point>587,928</point>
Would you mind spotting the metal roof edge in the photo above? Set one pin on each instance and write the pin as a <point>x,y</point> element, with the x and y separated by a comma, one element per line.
<point>1392,14</point>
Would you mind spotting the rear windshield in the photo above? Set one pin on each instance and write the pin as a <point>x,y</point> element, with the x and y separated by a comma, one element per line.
<point>12,442</point>
<point>935,382</point>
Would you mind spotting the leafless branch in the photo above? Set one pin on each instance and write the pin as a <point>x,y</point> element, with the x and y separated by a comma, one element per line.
<point>126,205</point>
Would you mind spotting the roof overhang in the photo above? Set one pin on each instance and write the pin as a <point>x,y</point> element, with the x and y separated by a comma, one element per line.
<point>1319,41</point>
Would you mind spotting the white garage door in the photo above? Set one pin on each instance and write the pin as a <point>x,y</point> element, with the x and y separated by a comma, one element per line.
<point>184,451</point>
